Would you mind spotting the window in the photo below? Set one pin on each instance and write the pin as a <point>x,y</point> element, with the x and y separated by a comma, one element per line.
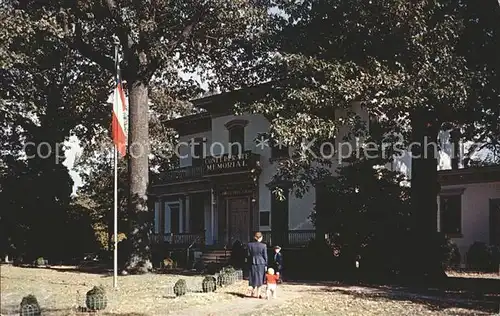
<point>174,218</point>
<point>236,129</point>
<point>451,214</point>
<point>197,151</point>
<point>279,216</point>
<point>237,140</point>
<point>265,218</point>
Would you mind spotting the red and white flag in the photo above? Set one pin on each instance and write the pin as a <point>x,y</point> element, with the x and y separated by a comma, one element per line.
<point>118,123</point>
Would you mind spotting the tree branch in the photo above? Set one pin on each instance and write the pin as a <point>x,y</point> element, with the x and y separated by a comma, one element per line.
<point>88,50</point>
<point>122,30</point>
<point>185,34</point>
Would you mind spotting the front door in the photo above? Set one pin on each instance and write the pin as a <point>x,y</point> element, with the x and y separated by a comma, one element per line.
<point>239,219</point>
<point>495,222</point>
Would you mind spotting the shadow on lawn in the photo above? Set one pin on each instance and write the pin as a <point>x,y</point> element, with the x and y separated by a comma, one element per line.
<point>240,295</point>
<point>100,270</point>
<point>12,309</point>
<point>468,293</point>
<point>124,314</point>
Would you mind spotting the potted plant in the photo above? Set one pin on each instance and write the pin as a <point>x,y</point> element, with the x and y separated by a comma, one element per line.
<point>30,306</point>
<point>180,288</point>
<point>96,299</point>
<point>209,284</point>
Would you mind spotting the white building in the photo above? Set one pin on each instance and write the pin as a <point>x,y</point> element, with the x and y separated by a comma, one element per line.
<point>223,198</point>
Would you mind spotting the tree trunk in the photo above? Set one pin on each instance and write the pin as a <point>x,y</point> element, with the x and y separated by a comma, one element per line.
<point>139,259</point>
<point>424,190</point>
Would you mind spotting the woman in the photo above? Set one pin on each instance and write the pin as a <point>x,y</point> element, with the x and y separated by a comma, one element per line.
<point>257,254</point>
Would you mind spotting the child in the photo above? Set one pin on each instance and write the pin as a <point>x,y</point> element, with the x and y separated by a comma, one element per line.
<point>271,280</point>
<point>277,262</point>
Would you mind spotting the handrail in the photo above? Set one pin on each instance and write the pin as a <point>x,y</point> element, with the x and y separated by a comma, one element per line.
<point>196,239</point>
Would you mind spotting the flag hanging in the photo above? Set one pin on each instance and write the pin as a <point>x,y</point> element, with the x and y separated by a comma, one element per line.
<point>118,123</point>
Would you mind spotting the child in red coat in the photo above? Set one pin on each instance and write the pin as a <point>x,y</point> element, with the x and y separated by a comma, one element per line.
<point>271,280</point>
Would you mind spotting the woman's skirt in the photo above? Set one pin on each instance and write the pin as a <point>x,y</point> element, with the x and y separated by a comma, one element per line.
<point>257,274</point>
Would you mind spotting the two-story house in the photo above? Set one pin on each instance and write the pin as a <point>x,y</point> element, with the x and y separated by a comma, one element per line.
<point>222,186</point>
<point>222,190</point>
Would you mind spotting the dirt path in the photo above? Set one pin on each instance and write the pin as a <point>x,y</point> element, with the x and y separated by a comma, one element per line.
<point>240,305</point>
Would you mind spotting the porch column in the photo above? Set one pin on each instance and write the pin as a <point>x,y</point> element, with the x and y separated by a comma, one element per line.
<point>166,219</point>
<point>157,216</point>
<point>212,215</point>
<point>188,200</point>
<point>181,214</point>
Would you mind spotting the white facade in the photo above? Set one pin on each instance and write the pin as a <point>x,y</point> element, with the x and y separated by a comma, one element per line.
<point>478,210</point>
<point>475,198</point>
<point>299,208</point>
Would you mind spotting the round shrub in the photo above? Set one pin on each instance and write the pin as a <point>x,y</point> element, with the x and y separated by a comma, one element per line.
<point>209,284</point>
<point>30,306</point>
<point>180,287</point>
<point>483,257</point>
<point>96,299</point>
<point>227,276</point>
<point>478,256</point>
<point>452,256</point>
<point>40,262</point>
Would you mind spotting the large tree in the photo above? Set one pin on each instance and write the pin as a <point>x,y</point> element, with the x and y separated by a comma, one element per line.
<point>410,63</point>
<point>43,100</point>
<point>157,39</point>
<point>95,163</point>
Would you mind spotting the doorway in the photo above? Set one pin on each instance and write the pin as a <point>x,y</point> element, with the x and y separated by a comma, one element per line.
<point>495,222</point>
<point>238,210</point>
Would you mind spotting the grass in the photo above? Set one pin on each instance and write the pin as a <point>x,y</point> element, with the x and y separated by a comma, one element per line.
<point>60,291</point>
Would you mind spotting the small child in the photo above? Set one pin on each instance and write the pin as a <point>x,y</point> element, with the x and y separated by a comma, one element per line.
<point>271,280</point>
<point>277,263</point>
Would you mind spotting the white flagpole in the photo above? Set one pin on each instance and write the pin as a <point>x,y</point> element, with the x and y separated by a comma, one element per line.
<point>115,216</point>
<point>115,209</point>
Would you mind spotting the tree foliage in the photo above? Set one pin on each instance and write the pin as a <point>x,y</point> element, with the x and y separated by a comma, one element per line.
<point>157,39</point>
<point>44,100</point>
<point>396,57</point>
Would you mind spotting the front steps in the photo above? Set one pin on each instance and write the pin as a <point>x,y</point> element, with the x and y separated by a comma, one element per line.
<point>220,256</point>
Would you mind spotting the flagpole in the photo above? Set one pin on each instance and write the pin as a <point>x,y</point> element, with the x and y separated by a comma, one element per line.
<point>115,209</point>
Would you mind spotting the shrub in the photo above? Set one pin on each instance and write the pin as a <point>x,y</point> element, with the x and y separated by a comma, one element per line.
<point>451,253</point>
<point>483,257</point>
<point>180,287</point>
<point>40,261</point>
<point>209,284</point>
<point>96,299</point>
<point>30,306</point>
<point>238,254</point>
<point>227,276</point>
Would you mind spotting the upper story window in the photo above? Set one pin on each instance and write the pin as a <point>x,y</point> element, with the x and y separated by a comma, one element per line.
<point>236,129</point>
<point>197,151</point>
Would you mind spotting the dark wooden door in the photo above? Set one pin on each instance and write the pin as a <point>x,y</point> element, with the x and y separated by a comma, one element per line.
<point>495,222</point>
<point>239,219</point>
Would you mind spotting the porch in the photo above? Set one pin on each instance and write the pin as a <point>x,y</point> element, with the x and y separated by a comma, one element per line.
<point>289,239</point>
<point>213,203</point>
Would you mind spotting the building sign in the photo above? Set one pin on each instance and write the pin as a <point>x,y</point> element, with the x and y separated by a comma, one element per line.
<point>226,163</point>
<point>229,193</point>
